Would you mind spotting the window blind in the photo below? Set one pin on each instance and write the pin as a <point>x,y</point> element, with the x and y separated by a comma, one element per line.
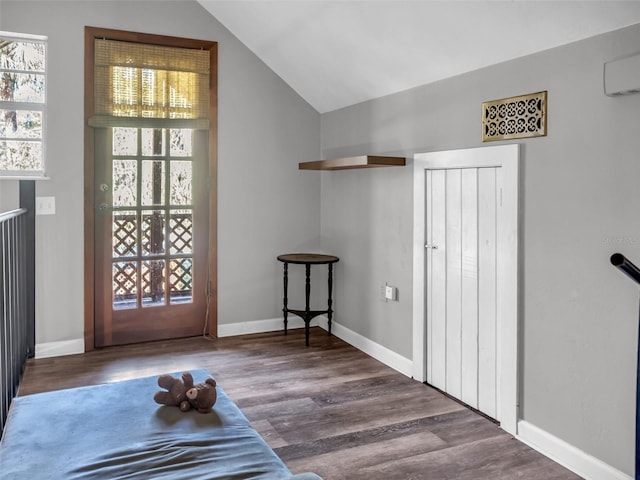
<point>143,85</point>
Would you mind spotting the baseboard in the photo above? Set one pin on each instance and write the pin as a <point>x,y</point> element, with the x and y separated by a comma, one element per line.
<point>371,348</point>
<point>57,349</point>
<point>259,326</point>
<point>567,455</point>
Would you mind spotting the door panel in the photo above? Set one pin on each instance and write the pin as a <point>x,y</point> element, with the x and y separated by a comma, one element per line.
<point>469,293</point>
<point>453,253</point>
<point>487,290</point>
<point>151,234</point>
<point>462,222</point>
<point>436,274</point>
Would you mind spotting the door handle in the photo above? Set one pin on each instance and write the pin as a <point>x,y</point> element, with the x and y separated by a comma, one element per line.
<point>433,247</point>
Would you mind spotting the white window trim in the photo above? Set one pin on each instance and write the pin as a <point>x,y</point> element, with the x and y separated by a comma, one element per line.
<point>40,174</point>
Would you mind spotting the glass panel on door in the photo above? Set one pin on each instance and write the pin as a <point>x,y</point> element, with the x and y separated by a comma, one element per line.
<point>152,217</point>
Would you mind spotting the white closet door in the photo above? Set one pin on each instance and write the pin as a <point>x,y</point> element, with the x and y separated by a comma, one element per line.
<point>462,226</point>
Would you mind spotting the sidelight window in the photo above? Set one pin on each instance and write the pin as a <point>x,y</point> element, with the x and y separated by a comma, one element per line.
<point>22,105</point>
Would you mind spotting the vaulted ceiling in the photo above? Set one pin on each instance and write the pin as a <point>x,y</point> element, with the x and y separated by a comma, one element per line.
<point>337,53</point>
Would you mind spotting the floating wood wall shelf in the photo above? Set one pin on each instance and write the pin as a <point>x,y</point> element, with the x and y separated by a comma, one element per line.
<point>364,161</point>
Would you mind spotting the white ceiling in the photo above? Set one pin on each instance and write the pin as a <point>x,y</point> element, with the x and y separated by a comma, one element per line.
<point>336,53</point>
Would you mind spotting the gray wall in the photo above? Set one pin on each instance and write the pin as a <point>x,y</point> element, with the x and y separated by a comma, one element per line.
<point>580,201</point>
<point>265,206</point>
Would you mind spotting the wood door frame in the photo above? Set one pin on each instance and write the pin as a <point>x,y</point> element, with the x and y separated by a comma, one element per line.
<point>91,33</point>
<point>506,157</point>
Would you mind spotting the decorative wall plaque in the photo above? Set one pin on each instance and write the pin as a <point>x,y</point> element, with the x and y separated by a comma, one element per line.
<point>515,117</point>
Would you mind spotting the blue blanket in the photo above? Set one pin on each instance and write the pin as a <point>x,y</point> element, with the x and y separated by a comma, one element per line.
<point>117,431</point>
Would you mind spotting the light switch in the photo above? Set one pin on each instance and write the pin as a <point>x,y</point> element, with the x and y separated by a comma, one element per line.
<point>45,205</point>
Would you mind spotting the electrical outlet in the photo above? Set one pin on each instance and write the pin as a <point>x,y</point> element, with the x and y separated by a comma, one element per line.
<point>390,293</point>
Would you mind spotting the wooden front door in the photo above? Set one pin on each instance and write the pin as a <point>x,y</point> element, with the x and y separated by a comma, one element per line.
<point>151,234</point>
<point>150,187</point>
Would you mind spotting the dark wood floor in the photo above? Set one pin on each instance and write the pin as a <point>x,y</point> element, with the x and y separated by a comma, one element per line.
<point>328,408</point>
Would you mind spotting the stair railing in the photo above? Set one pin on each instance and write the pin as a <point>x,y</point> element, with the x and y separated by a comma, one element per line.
<point>626,266</point>
<point>17,295</point>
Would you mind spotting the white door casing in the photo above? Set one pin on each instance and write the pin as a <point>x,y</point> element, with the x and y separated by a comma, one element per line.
<point>506,158</point>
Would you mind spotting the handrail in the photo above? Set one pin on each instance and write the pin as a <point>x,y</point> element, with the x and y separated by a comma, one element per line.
<point>12,214</point>
<point>626,266</point>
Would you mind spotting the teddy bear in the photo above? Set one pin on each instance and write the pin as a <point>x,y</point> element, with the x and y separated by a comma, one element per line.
<point>202,396</point>
<point>183,393</point>
<point>176,394</point>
